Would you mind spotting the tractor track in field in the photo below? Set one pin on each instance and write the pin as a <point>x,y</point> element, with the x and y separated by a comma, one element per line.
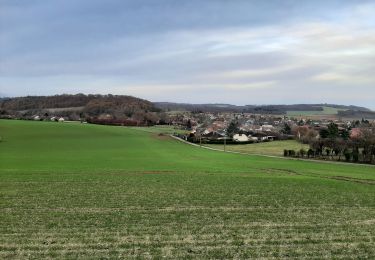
<point>350,179</point>
<point>337,177</point>
<point>270,171</point>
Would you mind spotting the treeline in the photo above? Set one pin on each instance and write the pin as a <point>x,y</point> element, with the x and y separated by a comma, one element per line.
<point>118,122</point>
<point>262,109</point>
<point>281,109</point>
<point>198,108</point>
<point>43,102</point>
<point>335,144</point>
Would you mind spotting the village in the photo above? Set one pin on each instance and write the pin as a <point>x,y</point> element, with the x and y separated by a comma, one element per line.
<point>252,128</point>
<point>324,136</point>
<point>240,128</point>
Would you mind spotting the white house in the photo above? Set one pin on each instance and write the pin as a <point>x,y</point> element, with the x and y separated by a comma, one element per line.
<point>61,119</point>
<point>240,138</point>
<point>37,118</point>
<point>207,131</point>
<point>267,128</point>
<point>254,138</point>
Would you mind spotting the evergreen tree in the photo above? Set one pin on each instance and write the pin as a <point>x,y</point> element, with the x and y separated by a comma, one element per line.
<point>233,128</point>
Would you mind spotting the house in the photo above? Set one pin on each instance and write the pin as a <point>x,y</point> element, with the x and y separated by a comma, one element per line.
<point>355,133</point>
<point>216,125</point>
<point>240,138</point>
<point>209,133</point>
<point>36,118</point>
<point>270,137</point>
<point>252,138</point>
<point>256,128</point>
<point>267,138</point>
<point>267,128</point>
<point>61,119</point>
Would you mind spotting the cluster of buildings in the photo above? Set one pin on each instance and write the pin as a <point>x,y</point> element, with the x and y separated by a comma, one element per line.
<point>257,127</point>
<point>53,119</point>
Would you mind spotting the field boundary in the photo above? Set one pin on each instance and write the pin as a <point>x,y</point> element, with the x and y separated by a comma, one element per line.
<point>270,156</point>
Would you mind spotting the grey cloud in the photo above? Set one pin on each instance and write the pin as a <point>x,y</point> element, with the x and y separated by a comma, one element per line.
<point>189,46</point>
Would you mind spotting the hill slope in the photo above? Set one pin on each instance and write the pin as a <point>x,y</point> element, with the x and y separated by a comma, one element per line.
<point>90,191</point>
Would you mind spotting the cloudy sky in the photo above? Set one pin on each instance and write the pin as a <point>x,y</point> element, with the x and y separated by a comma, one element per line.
<point>211,51</point>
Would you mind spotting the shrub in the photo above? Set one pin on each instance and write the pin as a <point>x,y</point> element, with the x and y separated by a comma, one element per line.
<point>285,152</point>
<point>347,155</point>
<point>355,156</point>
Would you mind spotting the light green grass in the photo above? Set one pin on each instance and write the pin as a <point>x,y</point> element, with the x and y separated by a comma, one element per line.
<point>163,129</point>
<point>89,191</point>
<point>275,148</point>
<point>326,111</point>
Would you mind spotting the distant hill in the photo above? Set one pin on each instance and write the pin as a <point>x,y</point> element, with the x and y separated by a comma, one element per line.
<point>128,107</point>
<point>80,105</point>
<point>169,106</point>
<point>357,114</point>
<point>262,109</point>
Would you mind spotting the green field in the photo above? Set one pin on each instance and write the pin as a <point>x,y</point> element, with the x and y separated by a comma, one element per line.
<point>325,111</point>
<point>90,191</point>
<point>275,148</point>
<point>163,129</point>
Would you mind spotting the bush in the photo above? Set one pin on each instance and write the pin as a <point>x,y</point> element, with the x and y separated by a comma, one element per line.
<point>285,152</point>
<point>310,153</point>
<point>355,156</point>
<point>347,155</point>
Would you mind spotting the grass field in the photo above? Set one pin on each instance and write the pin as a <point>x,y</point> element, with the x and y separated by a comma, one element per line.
<point>90,191</point>
<point>275,148</point>
<point>163,129</point>
<point>326,111</point>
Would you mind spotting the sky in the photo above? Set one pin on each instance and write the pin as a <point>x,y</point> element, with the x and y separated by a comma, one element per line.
<point>212,51</point>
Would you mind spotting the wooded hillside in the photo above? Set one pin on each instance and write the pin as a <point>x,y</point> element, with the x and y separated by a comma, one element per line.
<point>80,105</point>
